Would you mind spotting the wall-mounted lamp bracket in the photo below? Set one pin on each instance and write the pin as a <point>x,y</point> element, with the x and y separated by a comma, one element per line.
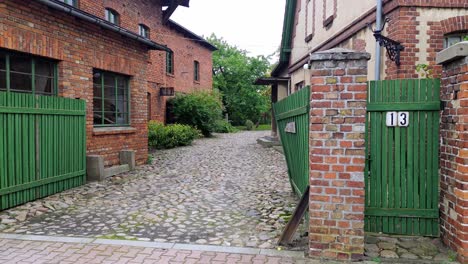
<point>393,47</point>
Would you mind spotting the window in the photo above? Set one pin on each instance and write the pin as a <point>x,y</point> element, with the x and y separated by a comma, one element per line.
<point>27,74</point>
<point>112,16</point>
<point>111,99</point>
<point>453,39</point>
<point>299,86</point>
<point>143,31</point>
<point>196,71</point>
<point>170,62</point>
<point>70,2</point>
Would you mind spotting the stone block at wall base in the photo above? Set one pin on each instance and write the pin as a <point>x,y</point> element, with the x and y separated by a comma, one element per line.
<point>95,170</point>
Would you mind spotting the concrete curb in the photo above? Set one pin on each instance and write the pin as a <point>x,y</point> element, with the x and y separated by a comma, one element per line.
<point>132,243</point>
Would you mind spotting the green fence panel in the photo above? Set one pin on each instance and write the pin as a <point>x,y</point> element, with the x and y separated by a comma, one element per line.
<point>42,146</point>
<point>292,118</point>
<point>402,144</point>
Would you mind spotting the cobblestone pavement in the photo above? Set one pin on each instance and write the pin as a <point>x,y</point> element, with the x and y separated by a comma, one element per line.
<point>225,191</point>
<point>27,251</point>
<point>412,249</point>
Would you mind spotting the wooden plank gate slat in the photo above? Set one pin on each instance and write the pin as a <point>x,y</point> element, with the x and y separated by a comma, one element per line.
<point>294,110</point>
<point>42,146</point>
<point>402,162</point>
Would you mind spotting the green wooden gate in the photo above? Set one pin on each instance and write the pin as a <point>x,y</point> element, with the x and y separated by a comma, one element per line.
<point>42,146</point>
<point>402,157</point>
<point>292,118</point>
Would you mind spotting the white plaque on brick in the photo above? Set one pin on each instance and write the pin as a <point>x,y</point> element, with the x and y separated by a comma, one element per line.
<point>291,128</point>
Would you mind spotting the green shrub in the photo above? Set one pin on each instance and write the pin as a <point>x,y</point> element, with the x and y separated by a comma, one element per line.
<point>171,136</point>
<point>198,109</point>
<point>223,126</point>
<point>249,125</point>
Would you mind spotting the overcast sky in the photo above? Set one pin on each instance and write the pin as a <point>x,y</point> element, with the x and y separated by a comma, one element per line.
<point>252,25</point>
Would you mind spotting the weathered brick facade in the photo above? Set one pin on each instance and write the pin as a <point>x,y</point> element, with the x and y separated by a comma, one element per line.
<point>454,157</point>
<point>80,46</point>
<point>186,51</point>
<point>337,154</point>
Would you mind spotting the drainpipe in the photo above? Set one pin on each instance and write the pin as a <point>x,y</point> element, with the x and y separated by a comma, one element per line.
<point>378,49</point>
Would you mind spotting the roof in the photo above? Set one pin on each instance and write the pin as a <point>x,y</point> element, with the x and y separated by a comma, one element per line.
<point>288,26</point>
<point>179,2</point>
<point>191,35</point>
<point>270,80</point>
<point>78,13</point>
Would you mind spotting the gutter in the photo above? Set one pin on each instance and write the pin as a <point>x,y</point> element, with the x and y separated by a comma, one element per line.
<point>75,12</point>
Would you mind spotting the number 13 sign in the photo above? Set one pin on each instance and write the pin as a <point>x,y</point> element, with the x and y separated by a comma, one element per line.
<point>397,119</point>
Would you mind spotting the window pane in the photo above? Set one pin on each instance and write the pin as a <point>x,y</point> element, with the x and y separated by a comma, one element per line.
<point>121,82</point>
<point>2,80</point>
<point>97,91</point>
<point>109,105</point>
<point>44,85</point>
<point>97,77</point>
<point>44,68</point>
<point>109,118</point>
<point>98,118</point>
<point>122,107</point>
<point>2,61</point>
<point>20,82</point>
<point>109,93</point>
<point>20,63</point>
<point>122,119</point>
<point>121,94</point>
<point>97,104</point>
<point>109,80</point>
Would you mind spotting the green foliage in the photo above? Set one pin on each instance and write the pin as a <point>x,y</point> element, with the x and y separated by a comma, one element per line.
<point>170,136</point>
<point>198,109</point>
<point>263,127</point>
<point>465,38</point>
<point>234,75</point>
<point>424,70</point>
<point>452,255</point>
<point>150,159</point>
<point>249,125</point>
<point>222,126</point>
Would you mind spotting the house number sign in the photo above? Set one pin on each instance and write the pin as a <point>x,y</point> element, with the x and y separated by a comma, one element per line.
<point>290,128</point>
<point>395,119</point>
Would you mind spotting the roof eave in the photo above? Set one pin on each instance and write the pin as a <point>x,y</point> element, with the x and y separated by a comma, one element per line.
<point>78,13</point>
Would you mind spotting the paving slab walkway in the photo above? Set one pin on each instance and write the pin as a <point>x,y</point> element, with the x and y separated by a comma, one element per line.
<point>226,191</point>
<point>44,249</point>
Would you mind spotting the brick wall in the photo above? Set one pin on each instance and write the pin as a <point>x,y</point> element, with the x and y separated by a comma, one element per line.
<point>403,28</point>
<point>186,51</point>
<point>454,157</point>
<point>337,152</point>
<point>30,27</point>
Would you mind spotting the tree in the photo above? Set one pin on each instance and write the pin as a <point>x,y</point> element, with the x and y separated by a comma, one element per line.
<point>234,73</point>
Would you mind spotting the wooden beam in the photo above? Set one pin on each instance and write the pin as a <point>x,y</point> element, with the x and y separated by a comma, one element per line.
<point>293,224</point>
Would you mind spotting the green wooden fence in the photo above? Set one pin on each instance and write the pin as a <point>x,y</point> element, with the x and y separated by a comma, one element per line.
<point>292,118</point>
<point>402,157</point>
<point>42,146</point>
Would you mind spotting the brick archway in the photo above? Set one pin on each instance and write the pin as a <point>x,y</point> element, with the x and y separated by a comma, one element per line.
<point>454,24</point>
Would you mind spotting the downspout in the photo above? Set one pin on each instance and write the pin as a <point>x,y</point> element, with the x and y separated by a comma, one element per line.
<point>378,49</point>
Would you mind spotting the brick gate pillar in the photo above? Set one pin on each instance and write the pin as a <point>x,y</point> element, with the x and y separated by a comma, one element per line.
<point>337,153</point>
<point>454,149</point>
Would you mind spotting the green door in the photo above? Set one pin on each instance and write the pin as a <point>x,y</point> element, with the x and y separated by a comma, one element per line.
<point>402,141</point>
<point>292,118</point>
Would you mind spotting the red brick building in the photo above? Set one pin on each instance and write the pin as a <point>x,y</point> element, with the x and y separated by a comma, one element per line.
<point>424,28</point>
<point>112,54</point>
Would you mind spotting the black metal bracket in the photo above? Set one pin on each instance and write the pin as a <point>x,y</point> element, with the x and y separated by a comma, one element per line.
<point>393,47</point>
